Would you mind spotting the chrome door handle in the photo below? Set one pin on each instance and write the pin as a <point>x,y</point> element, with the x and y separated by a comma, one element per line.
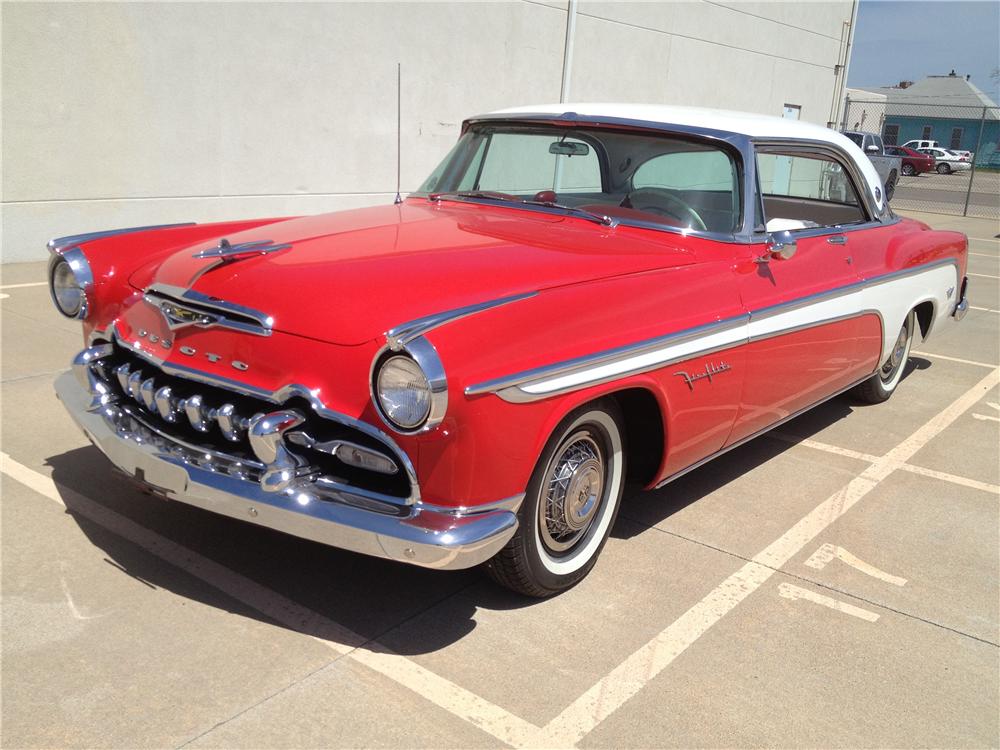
<point>837,239</point>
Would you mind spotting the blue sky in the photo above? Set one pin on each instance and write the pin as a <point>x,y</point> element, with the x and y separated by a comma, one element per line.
<point>907,40</point>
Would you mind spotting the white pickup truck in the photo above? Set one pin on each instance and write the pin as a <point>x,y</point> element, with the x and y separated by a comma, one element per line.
<point>888,167</point>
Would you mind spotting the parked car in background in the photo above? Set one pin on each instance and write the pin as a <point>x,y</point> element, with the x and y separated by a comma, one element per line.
<point>913,161</point>
<point>887,166</point>
<point>947,161</point>
<point>580,297</point>
<point>919,144</point>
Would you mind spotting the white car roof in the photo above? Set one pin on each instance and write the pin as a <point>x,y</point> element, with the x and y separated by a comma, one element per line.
<point>745,123</point>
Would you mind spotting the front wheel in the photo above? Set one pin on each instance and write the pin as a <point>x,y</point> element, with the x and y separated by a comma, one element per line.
<point>881,385</point>
<point>908,170</point>
<point>570,505</point>
<point>943,169</point>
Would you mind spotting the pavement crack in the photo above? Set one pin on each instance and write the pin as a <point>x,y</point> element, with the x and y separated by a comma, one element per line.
<point>819,584</point>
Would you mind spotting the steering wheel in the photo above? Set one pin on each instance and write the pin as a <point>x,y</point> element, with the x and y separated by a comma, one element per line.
<point>652,199</point>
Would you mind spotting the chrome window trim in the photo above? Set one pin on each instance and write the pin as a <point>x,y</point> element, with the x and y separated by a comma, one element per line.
<point>399,336</point>
<point>874,218</point>
<point>740,143</point>
<point>277,397</point>
<point>509,387</point>
<point>80,266</point>
<point>58,243</point>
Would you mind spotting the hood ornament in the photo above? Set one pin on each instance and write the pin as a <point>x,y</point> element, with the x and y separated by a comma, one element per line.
<point>226,252</point>
<point>229,252</point>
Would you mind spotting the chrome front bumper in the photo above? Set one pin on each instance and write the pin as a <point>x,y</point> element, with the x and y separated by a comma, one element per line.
<point>434,538</point>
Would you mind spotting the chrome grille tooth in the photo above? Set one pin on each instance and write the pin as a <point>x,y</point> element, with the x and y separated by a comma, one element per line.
<point>122,372</point>
<point>147,391</point>
<point>165,404</point>
<point>196,414</point>
<point>134,383</point>
<point>230,422</point>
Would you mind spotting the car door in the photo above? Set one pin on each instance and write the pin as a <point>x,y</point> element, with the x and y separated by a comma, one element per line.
<point>804,333</point>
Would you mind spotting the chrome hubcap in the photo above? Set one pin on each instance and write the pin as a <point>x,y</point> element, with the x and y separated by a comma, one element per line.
<point>896,358</point>
<point>573,493</point>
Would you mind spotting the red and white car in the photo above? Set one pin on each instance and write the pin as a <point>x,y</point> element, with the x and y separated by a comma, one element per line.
<point>579,297</point>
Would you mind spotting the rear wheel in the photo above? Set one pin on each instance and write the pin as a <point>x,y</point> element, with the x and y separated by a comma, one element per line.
<point>943,169</point>
<point>881,385</point>
<point>908,170</point>
<point>570,505</point>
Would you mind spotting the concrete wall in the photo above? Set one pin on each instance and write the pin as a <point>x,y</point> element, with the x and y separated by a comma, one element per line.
<point>129,114</point>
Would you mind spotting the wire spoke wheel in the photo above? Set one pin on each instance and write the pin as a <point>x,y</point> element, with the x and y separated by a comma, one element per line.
<point>573,493</point>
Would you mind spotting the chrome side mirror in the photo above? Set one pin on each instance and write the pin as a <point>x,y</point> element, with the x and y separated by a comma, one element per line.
<point>872,149</point>
<point>780,245</point>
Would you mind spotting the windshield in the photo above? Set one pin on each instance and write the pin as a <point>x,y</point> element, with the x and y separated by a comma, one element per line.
<point>634,178</point>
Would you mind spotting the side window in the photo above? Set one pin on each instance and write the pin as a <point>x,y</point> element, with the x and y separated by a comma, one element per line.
<point>805,191</point>
<point>878,142</point>
<point>522,164</point>
<point>858,139</point>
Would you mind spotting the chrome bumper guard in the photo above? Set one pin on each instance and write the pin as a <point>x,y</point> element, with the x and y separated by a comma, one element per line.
<point>329,513</point>
<point>962,306</point>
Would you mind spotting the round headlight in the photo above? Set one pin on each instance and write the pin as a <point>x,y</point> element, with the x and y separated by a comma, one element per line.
<point>403,392</point>
<point>67,292</point>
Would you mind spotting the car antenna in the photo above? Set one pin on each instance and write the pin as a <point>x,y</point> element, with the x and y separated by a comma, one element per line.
<point>399,156</point>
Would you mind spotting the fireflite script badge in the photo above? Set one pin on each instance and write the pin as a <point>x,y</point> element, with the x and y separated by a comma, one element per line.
<point>711,369</point>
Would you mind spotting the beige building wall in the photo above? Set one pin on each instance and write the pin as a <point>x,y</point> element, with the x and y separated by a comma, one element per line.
<point>143,113</point>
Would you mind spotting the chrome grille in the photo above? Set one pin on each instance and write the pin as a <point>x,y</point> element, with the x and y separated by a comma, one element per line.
<point>218,420</point>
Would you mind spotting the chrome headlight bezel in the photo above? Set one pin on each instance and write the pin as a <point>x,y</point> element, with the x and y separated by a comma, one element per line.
<point>74,262</point>
<point>421,353</point>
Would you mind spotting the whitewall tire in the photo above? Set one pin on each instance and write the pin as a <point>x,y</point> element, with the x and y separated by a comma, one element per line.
<point>571,504</point>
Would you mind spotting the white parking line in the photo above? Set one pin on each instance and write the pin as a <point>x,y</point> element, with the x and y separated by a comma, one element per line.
<point>986,239</point>
<point>953,359</point>
<point>22,286</point>
<point>983,275</point>
<point>975,484</point>
<point>632,675</point>
<point>986,255</point>
<point>793,592</point>
<point>827,553</point>
<point>478,711</point>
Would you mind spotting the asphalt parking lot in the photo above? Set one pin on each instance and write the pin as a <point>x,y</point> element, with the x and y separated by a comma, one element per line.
<point>946,193</point>
<point>836,583</point>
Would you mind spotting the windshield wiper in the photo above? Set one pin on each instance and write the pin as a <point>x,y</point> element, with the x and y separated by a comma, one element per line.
<point>583,213</point>
<point>473,194</point>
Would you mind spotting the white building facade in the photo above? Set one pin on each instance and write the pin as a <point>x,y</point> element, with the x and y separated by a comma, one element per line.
<point>146,113</point>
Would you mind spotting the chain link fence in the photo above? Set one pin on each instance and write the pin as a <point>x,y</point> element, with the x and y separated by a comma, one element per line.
<point>953,186</point>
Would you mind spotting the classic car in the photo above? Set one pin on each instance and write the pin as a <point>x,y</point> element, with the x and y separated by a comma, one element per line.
<point>579,298</point>
<point>914,162</point>
<point>887,165</point>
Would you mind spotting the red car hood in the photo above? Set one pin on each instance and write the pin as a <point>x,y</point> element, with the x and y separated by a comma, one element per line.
<point>350,276</point>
